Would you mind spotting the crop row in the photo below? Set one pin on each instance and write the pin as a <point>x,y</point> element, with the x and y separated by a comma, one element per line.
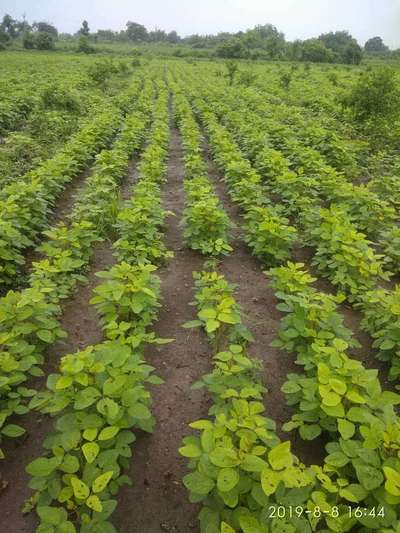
<point>241,472</point>
<point>29,318</point>
<point>337,396</point>
<point>260,135</point>
<point>206,224</point>
<point>343,254</point>
<point>25,205</point>
<point>99,394</point>
<point>388,465</point>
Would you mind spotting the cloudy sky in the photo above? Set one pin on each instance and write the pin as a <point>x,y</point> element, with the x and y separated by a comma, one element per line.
<point>296,18</point>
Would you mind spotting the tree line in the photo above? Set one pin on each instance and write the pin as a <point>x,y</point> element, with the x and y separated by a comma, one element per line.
<point>261,42</point>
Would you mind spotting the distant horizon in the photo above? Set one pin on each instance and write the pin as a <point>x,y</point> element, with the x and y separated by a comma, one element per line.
<point>297,19</point>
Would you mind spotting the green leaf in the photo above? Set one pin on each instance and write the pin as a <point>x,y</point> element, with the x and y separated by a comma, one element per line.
<point>280,457</point>
<point>310,431</point>
<point>42,467</point>
<point>226,528</point>
<point>227,479</point>
<point>346,428</point>
<point>201,424</point>
<point>51,515</point>
<point>90,434</point>
<point>355,397</point>
<point>81,490</point>
<point>252,463</point>
<point>93,502</point>
<point>45,335</point>
<point>211,325</point>
<point>101,482</point>
<point>331,399</point>
<point>224,457</point>
<point>12,430</point>
<point>70,464</point>
<point>191,450</point>
<point>370,478</point>
<point>269,481</point>
<point>250,524</point>
<point>90,451</point>
<point>207,313</point>
<point>337,459</point>
<point>198,483</point>
<point>64,382</point>
<point>108,433</point>
<point>192,324</point>
<point>353,493</point>
<point>392,484</point>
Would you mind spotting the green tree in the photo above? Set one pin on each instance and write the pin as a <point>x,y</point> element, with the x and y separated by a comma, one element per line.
<point>343,45</point>
<point>45,27</point>
<point>233,48</point>
<point>315,51</point>
<point>44,41</point>
<point>352,54</point>
<point>9,26</point>
<point>4,39</point>
<point>84,31</point>
<point>173,37</point>
<point>136,32</point>
<point>29,41</point>
<point>376,45</point>
<point>84,46</point>
<point>231,71</point>
<point>374,104</point>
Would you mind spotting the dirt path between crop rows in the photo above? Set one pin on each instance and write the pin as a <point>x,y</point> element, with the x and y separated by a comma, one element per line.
<point>158,501</point>
<point>81,322</point>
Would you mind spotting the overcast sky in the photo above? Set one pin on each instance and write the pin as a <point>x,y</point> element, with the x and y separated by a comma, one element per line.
<point>296,18</point>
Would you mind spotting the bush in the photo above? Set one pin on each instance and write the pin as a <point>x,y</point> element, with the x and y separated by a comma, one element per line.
<point>29,41</point>
<point>57,97</point>
<point>375,97</point>
<point>44,41</point>
<point>85,47</point>
<point>233,48</point>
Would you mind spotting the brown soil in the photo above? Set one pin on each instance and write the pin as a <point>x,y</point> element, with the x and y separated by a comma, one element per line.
<point>81,322</point>
<point>157,501</point>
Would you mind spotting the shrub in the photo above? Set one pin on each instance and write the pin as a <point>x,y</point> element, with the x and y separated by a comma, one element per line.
<point>28,41</point>
<point>85,47</point>
<point>376,96</point>
<point>44,41</point>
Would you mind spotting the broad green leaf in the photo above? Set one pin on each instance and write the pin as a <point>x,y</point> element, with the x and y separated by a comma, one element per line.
<point>81,490</point>
<point>346,428</point>
<point>51,515</point>
<point>12,430</point>
<point>198,483</point>
<point>190,450</point>
<point>101,482</point>
<point>226,528</point>
<point>42,467</point>
<point>108,433</point>
<point>269,481</point>
<point>280,457</point>
<point>227,479</point>
<point>224,457</point>
<point>90,451</point>
<point>93,502</point>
